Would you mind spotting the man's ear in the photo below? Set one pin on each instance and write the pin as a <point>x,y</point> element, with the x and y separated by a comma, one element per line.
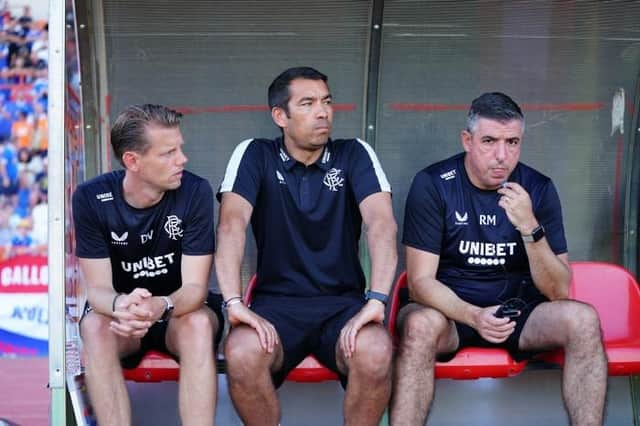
<point>131,160</point>
<point>279,117</point>
<point>466,138</point>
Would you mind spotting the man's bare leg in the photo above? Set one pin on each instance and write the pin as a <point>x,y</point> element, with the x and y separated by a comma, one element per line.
<point>425,333</point>
<point>102,352</point>
<point>249,370</point>
<point>191,337</point>
<point>575,327</point>
<point>369,372</point>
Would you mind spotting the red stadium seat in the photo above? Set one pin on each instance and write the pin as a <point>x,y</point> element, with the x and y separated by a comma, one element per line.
<point>614,293</point>
<point>469,363</point>
<point>609,288</point>
<point>310,369</point>
<point>154,367</point>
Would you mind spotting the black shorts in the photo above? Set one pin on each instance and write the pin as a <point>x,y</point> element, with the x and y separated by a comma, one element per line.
<point>468,336</point>
<point>307,325</point>
<point>155,337</point>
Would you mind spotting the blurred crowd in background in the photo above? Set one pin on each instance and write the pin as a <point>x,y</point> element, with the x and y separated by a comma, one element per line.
<point>23,133</point>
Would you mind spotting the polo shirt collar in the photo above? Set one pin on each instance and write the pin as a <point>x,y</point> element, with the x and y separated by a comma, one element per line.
<point>323,162</point>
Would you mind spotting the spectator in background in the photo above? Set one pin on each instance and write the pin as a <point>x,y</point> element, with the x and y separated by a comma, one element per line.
<point>22,243</point>
<point>41,178</point>
<point>25,20</point>
<point>40,219</point>
<point>24,157</point>
<point>16,38</point>
<point>29,163</point>
<point>22,130</point>
<point>19,103</point>
<point>41,135</point>
<point>21,68</point>
<point>5,124</point>
<point>24,193</point>
<point>40,49</point>
<point>6,232</point>
<point>9,170</point>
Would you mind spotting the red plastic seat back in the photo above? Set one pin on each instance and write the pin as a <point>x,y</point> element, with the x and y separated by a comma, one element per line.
<point>310,369</point>
<point>248,293</point>
<point>615,295</point>
<point>401,283</point>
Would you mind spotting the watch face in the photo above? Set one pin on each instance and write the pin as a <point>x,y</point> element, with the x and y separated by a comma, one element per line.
<point>538,233</point>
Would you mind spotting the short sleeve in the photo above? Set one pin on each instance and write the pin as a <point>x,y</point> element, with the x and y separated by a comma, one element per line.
<point>244,172</point>
<point>90,242</point>
<point>365,172</point>
<point>424,215</point>
<point>549,213</point>
<point>199,233</point>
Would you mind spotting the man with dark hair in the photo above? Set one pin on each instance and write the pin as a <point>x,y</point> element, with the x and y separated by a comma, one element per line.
<point>306,196</point>
<point>487,265</point>
<point>145,243</point>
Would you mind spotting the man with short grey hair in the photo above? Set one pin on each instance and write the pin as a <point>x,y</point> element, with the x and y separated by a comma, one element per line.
<point>488,265</point>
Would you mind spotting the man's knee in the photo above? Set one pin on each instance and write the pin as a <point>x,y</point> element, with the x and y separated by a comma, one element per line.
<point>583,322</point>
<point>573,323</point>
<point>374,352</point>
<point>243,353</point>
<point>423,327</point>
<point>94,327</point>
<point>196,324</point>
<point>192,333</point>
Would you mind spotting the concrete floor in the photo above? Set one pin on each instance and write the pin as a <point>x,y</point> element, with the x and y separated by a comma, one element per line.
<point>531,399</point>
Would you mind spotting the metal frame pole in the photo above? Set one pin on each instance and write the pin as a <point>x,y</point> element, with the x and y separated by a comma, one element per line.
<point>56,212</point>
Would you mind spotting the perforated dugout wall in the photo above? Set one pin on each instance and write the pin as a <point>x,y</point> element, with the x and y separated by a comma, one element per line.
<point>564,62</point>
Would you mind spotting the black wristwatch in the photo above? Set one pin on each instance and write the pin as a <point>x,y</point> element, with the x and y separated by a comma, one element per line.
<point>536,235</point>
<point>167,310</point>
<point>376,295</point>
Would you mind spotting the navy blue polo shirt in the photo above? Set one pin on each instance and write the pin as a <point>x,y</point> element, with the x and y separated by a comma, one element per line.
<point>145,246</point>
<point>482,256</point>
<point>306,219</point>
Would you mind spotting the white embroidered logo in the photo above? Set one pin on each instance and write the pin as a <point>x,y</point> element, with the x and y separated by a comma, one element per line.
<point>333,180</point>
<point>461,219</point>
<point>119,240</point>
<point>451,174</point>
<point>172,227</point>
<point>149,266</point>
<point>480,253</point>
<point>105,196</point>
<point>280,178</point>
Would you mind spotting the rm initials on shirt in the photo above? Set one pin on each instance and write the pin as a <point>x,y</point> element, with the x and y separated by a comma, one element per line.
<point>488,219</point>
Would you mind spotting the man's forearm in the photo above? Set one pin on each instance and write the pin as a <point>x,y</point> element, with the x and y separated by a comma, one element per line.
<point>381,238</point>
<point>549,273</point>
<point>188,298</point>
<point>431,292</point>
<point>101,299</point>
<point>228,261</point>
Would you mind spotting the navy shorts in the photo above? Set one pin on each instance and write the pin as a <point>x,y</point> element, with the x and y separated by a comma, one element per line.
<point>155,337</point>
<point>307,325</point>
<point>468,336</point>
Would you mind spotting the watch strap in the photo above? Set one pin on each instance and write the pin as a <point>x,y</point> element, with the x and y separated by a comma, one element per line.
<point>167,310</point>
<point>535,236</point>
<point>376,295</point>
